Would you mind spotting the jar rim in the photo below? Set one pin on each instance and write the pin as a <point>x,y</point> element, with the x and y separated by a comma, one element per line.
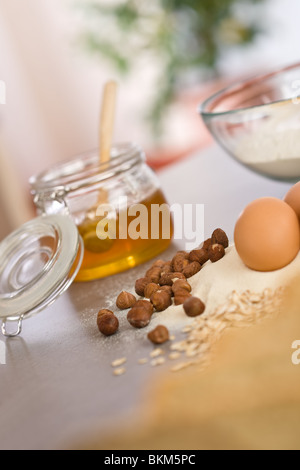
<point>86,170</point>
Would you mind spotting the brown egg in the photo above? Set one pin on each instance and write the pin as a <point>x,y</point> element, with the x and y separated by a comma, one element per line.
<point>267,235</point>
<point>293,198</point>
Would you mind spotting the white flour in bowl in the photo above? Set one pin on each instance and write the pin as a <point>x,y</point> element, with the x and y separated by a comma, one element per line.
<point>274,146</point>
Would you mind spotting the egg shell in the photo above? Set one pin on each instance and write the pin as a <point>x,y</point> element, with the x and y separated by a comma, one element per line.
<point>267,235</point>
<point>293,198</point>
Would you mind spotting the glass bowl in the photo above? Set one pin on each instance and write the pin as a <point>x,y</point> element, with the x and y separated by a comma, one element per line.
<point>257,121</point>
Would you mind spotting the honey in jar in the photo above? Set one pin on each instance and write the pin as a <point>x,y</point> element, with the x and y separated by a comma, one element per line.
<point>142,227</point>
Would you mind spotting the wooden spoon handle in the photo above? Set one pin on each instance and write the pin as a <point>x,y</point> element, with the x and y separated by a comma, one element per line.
<point>107,120</point>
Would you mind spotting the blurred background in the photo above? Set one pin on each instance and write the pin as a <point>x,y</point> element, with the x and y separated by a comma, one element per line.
<point>167,55</point>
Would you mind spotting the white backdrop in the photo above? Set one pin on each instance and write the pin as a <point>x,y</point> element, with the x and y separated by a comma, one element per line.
<point>53,89</point>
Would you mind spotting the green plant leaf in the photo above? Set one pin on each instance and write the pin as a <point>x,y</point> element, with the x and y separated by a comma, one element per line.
<point>184,36</point>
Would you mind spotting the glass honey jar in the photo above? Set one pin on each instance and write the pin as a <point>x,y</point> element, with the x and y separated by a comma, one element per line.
<point>123,194</point>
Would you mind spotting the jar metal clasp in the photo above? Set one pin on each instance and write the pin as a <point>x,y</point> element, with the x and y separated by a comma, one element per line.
<point>13,334</point>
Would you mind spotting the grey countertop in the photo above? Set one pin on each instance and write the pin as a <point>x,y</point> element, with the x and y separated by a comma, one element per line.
<point>57,384</point>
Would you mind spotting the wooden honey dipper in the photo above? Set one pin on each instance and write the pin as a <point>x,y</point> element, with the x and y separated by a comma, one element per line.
<point>107,119</point>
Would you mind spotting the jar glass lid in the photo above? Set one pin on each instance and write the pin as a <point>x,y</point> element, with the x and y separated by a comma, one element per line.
<point>38,262</point>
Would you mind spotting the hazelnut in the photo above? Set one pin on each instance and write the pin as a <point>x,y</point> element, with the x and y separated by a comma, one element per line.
<point>153,274</point>
<point>161,300</point>
<point>146,304</point>
<point>160,335</point>
<point>216,252</point>
<point>167,268</point>
<point>201,256</point>
<point>181,296</point>
<point>104,311</point>
<point>150,289</point>
<point>168,279</point>
<point>139,317</point>
<point>167,289</point>
<point>193,307</point>
<point>107,322</point>
<point>125,300</point>
<point>206,244</point>
<point>158,264</point>
<point>180,261</point>
<point>192,269</point>
<point>219,237</point>
<point>140,286</point>
<point>180,284</point>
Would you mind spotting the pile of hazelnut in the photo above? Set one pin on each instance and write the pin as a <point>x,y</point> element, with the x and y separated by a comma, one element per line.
<point>163,282</point>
